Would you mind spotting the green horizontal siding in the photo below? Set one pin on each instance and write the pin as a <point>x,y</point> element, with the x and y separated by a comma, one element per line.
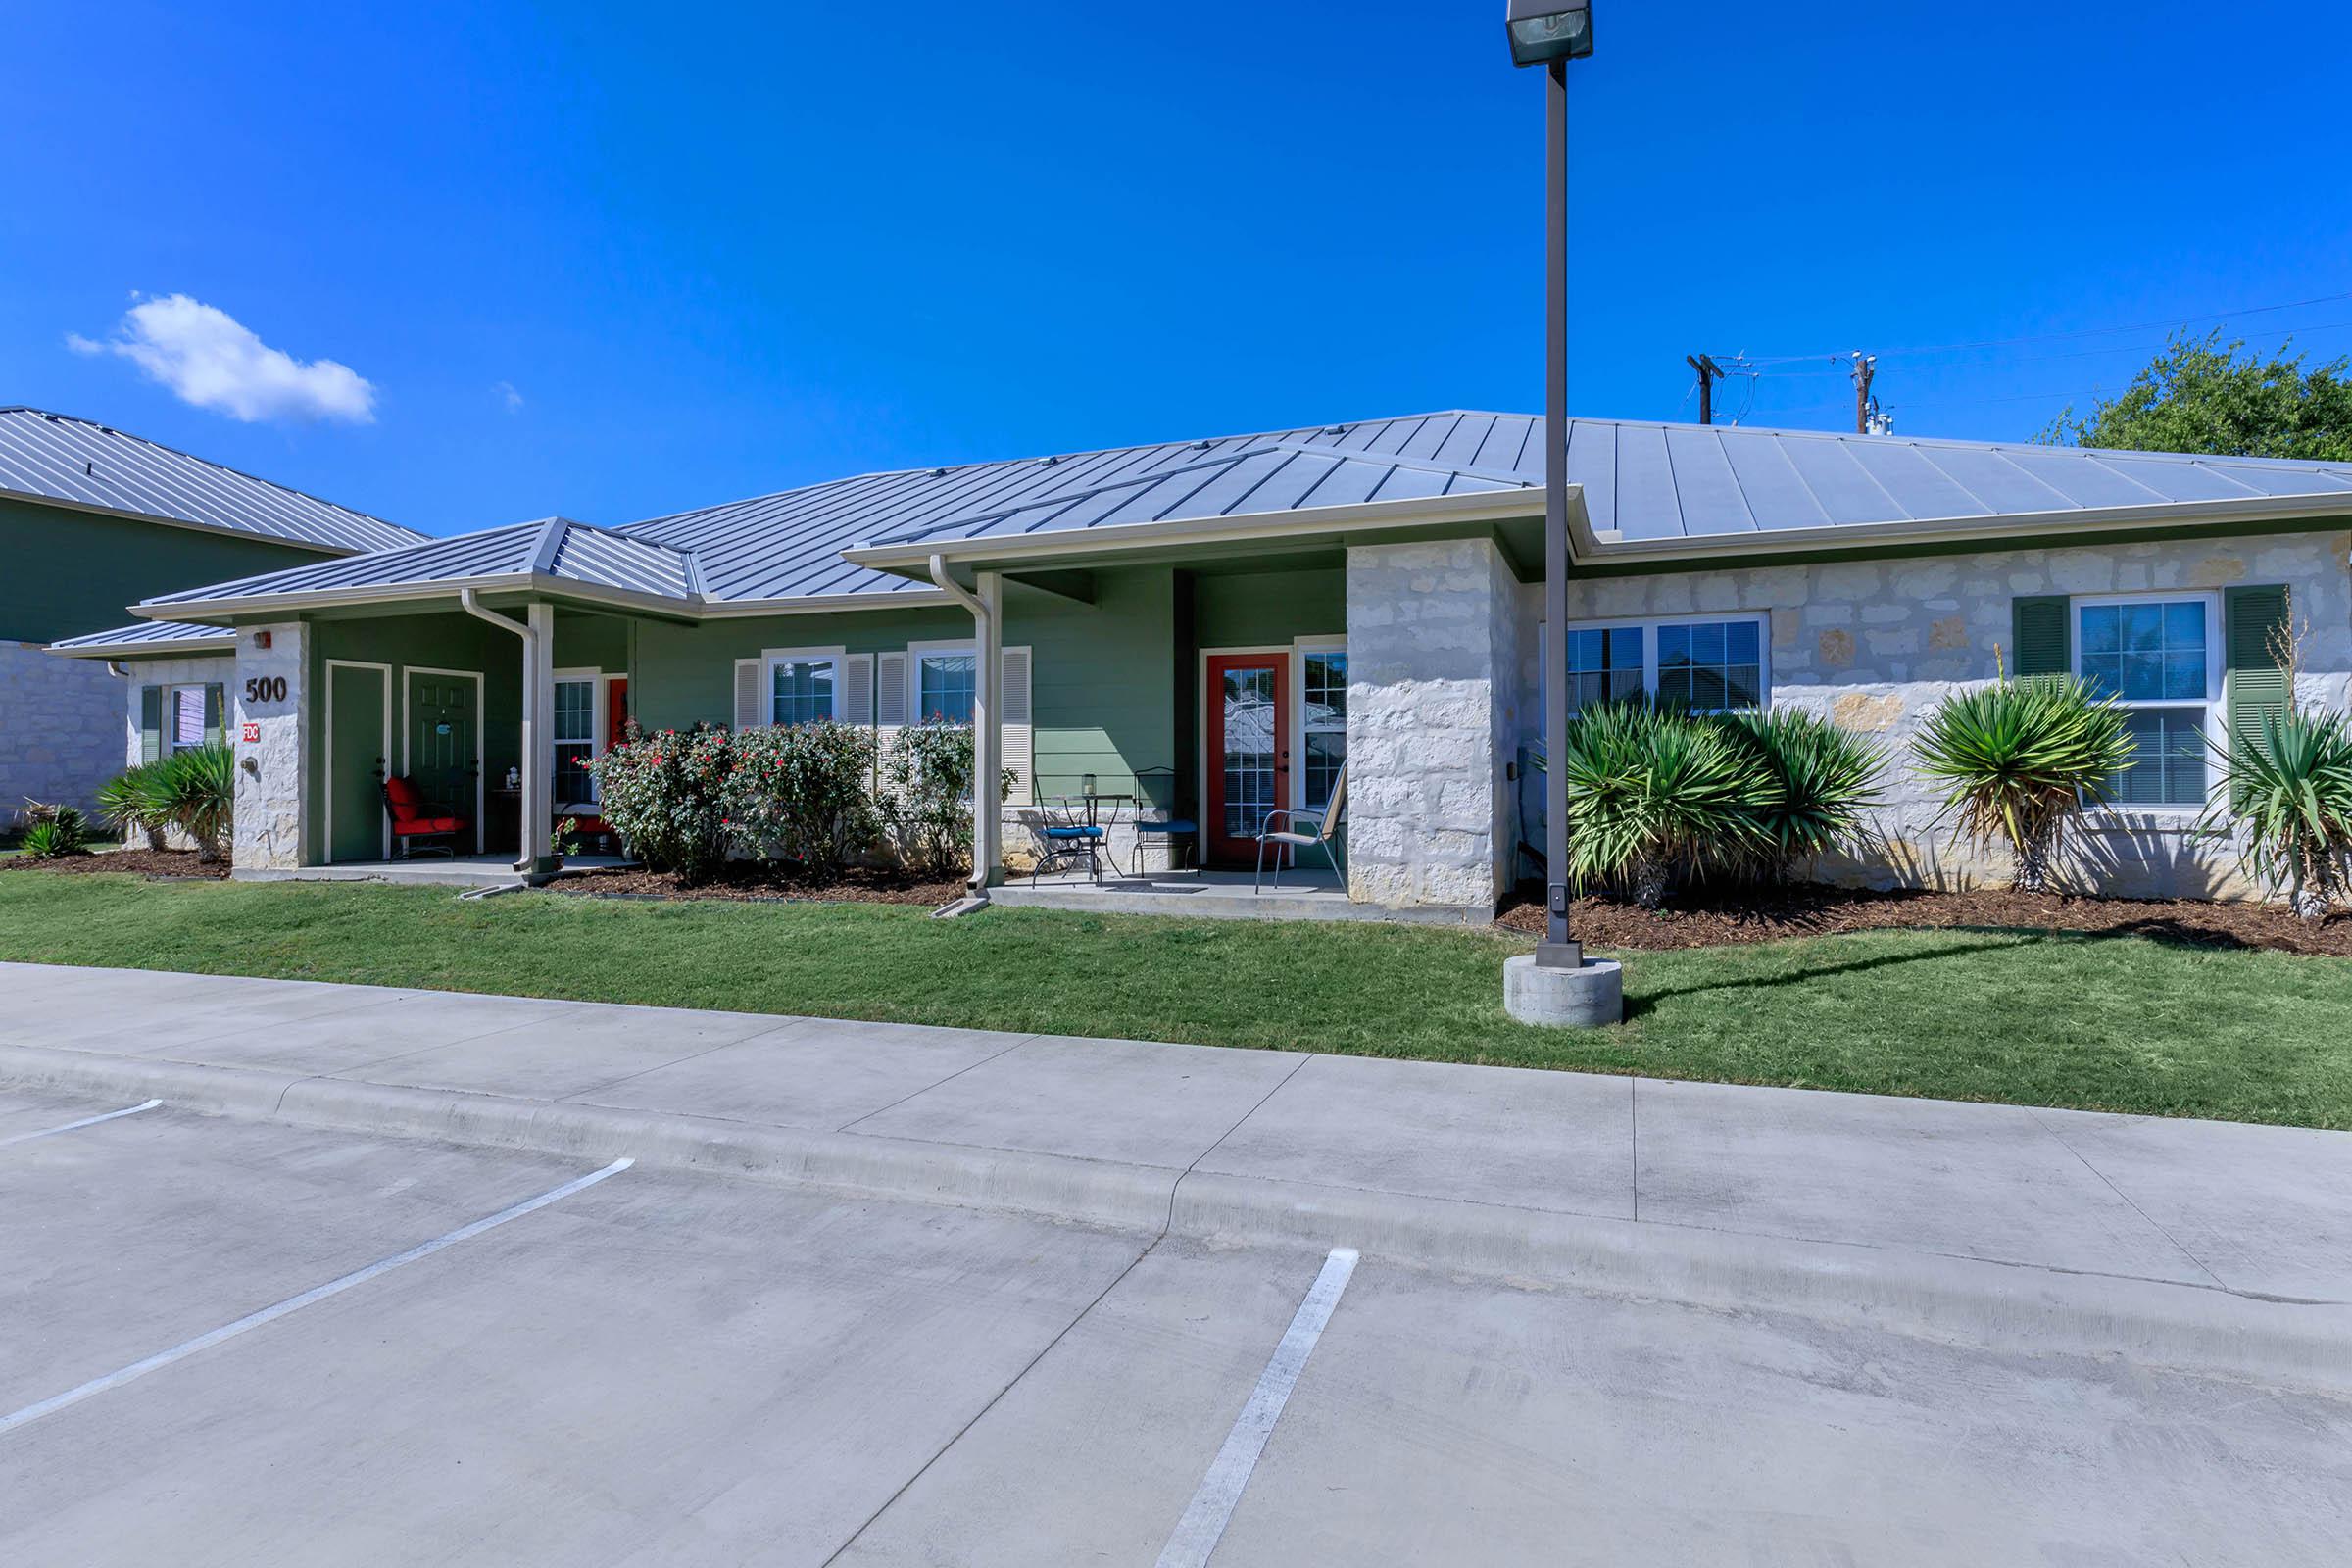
<point>69,572</point>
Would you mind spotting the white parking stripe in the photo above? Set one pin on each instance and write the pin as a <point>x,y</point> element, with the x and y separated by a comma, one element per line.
<point>295,1303</point>
<point>86,1121</point>
<point>1204,1519</point>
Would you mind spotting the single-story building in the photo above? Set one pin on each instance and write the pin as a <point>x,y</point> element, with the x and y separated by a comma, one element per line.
<point>1220,625</point>
<point>92,520</point>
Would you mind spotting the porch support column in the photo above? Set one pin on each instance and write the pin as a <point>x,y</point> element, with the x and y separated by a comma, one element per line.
<point>987,720</point>
<point>538,747</point>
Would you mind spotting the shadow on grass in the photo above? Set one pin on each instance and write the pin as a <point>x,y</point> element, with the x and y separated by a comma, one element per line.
<point>1639,1006</point>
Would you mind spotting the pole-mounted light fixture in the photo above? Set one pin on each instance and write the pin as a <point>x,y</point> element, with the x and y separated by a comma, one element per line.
<point>1544,30</point>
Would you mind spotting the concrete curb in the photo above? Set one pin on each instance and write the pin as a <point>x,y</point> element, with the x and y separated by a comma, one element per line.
<point>2012,1308</point>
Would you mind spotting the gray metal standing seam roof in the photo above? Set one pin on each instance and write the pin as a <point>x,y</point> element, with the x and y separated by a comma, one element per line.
<point>51,457</point>
<point>1640,481</point>
<point>152,632</point>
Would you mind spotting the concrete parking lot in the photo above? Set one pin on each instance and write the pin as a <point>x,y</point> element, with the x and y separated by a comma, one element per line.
<point>660,1366</point>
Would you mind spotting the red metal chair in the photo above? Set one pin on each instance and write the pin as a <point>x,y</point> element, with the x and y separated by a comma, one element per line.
<point>413,826</point>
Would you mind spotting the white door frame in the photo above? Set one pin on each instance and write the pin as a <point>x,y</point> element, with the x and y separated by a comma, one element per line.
<point>475,676</point>
<point>383,824</point>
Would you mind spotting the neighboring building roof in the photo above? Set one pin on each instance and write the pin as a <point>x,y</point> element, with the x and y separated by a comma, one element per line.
<point>51,457</point>
<point>149,637</point>
<point>554,553</point>
<point>1647,488</point>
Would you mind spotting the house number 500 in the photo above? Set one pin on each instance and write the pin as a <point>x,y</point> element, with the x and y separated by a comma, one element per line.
<point>266,689</point>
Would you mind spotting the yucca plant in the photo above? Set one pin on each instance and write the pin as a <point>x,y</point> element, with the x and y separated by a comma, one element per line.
<point>195,791</point>
<point>2291,797</point>
<point>1650,790</point>
<point>2017,758</point>
<point>1818,782</point>
<point>126,805</point>
<point>52,832</point>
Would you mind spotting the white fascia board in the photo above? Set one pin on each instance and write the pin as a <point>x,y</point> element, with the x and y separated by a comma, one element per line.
<point>394,593</point>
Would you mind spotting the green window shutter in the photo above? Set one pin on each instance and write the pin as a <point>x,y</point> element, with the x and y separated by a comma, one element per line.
<point>151,723</point>
<point>212,715</point>
<point>2253,680</point>
<point>2045,644</point>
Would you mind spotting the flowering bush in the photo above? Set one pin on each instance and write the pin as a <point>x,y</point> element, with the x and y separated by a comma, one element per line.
<point>663,794</point>
<point>926,795</point>
<point>802,792</point>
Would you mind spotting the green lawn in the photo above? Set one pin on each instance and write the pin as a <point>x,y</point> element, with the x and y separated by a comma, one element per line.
<point>2106,1023</point>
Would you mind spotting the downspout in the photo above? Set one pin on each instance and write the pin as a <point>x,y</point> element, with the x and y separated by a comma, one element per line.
<point>530,662</point>
<point>975,895</point>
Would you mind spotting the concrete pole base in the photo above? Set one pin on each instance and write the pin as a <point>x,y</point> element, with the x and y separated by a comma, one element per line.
<point>1589,997</point>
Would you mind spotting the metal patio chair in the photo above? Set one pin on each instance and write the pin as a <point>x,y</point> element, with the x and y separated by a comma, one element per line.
<point>1159,786</point>
<point>1065,836</point>
<point>1326,819</point>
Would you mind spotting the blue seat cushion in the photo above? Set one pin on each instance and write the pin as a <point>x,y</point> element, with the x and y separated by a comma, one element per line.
<point>1167,827</point>
<point>1073,832</point>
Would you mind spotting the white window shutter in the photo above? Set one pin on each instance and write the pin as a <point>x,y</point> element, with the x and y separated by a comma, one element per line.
<point>858,689</point>
<point>1020,750</point>
<point>747,694</point>
<point>890,700</point>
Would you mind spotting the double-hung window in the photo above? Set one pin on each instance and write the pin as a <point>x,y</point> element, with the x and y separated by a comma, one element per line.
<point>946,680</point>
<point>184,716</point>
<point>804,688</point>
<point>2159,656</point>
<point>573,736</point>
<point>1706,664</point>
<point>1323,718</point>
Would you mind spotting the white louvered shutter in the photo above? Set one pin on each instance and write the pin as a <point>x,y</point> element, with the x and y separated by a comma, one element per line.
<point>890,700</point>
<point>748,713</point>
<point>857,690</point>
<point>1020,750</point>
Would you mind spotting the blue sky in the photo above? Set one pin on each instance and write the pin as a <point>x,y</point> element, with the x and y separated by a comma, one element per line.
<point>620,261</point>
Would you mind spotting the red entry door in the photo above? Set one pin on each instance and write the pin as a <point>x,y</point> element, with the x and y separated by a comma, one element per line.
<point>1248,750</point>
<point>616,711</point>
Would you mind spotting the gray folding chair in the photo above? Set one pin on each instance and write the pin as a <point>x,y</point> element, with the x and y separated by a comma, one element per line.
<point>1326,822</point>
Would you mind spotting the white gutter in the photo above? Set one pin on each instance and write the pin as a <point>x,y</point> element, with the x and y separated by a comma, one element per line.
<point>524,859</point>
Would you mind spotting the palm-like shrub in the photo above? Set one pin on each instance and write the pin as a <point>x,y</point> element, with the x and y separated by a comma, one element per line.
<point>1650,790</point>
<point>194,791</point>
<point>2018,756</point>
<point>2292,797</point>
<point>1817,782</point>
<point>52,832</point>
<point>126,804</point>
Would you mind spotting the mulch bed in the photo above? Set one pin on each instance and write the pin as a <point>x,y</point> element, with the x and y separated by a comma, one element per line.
<point>746,881</point>
<point>167,865</point>
<point>1713,920</point>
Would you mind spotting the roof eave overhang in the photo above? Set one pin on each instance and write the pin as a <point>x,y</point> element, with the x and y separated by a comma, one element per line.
<point>219,531</point>
<point>1589,547</point>
<point>226,643</point>
<point>228,608</point>
<point>819,603</point>
<point>1301,524</point>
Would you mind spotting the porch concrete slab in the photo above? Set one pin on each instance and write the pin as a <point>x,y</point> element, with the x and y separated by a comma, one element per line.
<point>1560,1142</point>
<point>2264,1209</point>
<point>816,1073</point>
<point>1975,1181</point>
<point>1118,1100</point>
<point>576,1048</point>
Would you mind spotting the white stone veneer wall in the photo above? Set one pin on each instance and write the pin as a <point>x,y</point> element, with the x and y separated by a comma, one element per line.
<point>273,810</point>
<point>1875,645</point>
<point>59,734</point>
<point>1433,634</point>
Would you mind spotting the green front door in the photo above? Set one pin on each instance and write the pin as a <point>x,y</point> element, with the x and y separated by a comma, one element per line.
<point>358,699</point>
<point>440,754</point>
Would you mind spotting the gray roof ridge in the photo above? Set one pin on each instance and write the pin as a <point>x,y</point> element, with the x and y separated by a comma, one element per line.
<point>131,436</point>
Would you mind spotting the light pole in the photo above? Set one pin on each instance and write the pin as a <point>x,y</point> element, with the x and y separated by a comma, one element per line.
<point>1550,33</point>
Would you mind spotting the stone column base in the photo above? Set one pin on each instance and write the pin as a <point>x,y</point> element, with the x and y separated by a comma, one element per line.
<point>1591,996</point>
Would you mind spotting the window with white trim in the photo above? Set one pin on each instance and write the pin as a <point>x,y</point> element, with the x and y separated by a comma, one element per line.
<point>184,719</point>
<point>2159,656</point>
<point>1706,664</point>
<point>1323,718</point>
<point>804,689</point>
<point>574,734</point>
<point>946,680</point>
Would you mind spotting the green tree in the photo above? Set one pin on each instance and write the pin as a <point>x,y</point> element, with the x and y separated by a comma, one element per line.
<point>2204,395</point>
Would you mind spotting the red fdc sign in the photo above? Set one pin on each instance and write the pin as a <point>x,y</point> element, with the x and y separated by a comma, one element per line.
<point>253,733</point>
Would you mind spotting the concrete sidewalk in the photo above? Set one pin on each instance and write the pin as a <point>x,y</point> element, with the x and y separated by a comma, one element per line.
<point>2174,1241</point>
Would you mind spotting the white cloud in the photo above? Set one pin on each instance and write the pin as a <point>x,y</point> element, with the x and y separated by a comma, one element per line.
<point>208,358</point>
<point>508,395</point>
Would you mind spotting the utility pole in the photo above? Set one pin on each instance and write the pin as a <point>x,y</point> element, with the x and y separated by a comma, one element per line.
<point>1709,372</point>
<point>1866,407</point>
